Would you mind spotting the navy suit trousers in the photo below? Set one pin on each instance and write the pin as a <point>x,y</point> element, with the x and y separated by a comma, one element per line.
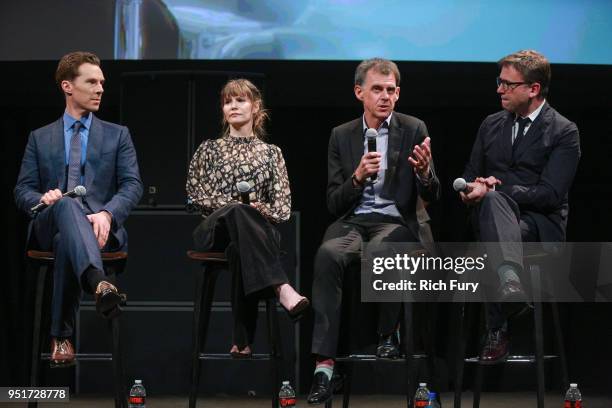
<point>64,229</point>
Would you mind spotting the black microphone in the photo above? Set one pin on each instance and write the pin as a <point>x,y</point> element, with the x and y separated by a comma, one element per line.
<point>371,135</point>
<point>78,191</point>
<point>460,185</point>
<point>244,188</point>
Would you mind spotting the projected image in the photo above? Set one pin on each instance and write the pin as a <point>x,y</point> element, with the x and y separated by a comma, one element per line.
<point>436,30</point>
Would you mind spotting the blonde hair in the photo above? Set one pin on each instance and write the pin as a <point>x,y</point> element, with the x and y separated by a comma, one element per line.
<point>245,88</point>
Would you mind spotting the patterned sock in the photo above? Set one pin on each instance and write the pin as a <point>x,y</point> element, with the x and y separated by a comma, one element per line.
<point>507,273</point>
<point>326,367</point>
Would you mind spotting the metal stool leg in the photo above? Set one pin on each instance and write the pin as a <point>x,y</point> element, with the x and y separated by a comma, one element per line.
<point>536,281</point>
<point>477,385</point>
<point>459,353</point>
<point>346,385</point>
<point>120,400</point>
<point>36,332</point>
<point>560,346</point>
<point>274,340</point>
<point>409,352</point>
<point>205,287</point>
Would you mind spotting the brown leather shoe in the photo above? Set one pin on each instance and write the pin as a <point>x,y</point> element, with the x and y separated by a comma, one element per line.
<point>495,349</point>
<point>108,300</point>
<point>62,352</point>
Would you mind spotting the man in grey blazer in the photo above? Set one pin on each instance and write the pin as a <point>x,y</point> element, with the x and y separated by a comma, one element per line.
<point>521,169</point>
<point>78,149</point>
<point>375,209</point>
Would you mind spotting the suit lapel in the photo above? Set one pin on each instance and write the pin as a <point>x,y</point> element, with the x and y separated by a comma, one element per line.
<point>357,141</point>
<point>58,153</point>
<point>394,146</point>
<point>506,141</point>
<point>94,148</point>
<point>534,133</point>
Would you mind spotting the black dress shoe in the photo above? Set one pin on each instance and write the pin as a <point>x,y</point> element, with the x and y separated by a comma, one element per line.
<point>388,346</point>
<point>108,300</point>
<point>322,389</point>
<point>495,349</point>
<point>514,299</point>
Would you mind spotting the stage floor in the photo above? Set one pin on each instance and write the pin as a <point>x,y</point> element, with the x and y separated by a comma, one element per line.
<point>489,400</point>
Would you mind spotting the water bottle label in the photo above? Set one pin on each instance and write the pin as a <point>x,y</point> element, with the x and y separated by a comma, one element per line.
<point>288,402</point>
<point>420,404</point>
<point>573,404</point>
<point>137,400</point>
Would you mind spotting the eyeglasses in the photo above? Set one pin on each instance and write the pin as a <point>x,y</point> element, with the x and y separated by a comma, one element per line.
<point>507,84</point>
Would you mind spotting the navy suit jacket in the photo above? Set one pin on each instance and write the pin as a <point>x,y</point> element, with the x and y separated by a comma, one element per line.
<point>538,174</point>
<point>401,185</point>
<point>111,174</point>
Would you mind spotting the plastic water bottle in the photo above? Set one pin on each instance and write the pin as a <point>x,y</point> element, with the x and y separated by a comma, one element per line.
<point>573,398</point>
<point>138,394</point>
<point>286,395</point>
<point>433,400</point>
<point>421,397</point>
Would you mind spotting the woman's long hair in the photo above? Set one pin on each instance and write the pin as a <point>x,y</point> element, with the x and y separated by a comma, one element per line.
<point>245,88</point>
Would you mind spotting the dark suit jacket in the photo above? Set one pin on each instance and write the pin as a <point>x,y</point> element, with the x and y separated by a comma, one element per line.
<point>401,185</point>
<point>540,172</point>
<point>111,174</point>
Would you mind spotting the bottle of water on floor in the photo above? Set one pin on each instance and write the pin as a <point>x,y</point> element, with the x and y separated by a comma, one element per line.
<point>433,400</point>
<point>573,398</point>
<point>421,397</point>
<point>138,395</point>
<point>286,396</point>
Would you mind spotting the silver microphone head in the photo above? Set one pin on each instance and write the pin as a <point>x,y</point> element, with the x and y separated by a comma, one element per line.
<point>243,187</point>
<point>371,133</point>
<point>80,191</point>
<point>459,184</point>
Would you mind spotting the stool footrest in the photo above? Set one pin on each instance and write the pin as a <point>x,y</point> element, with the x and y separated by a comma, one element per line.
<point>356,358</point>
<point>515,359</point>
<point>84,356</point>
<point>227,356</point>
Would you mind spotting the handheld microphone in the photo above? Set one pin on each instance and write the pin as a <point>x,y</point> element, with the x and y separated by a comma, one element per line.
<point>244,188</point>
<point>460,185</point>
<point>371,135</point>
<point>78,191</point>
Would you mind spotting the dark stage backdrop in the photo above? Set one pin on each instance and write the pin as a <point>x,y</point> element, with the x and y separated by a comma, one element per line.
<point>306,100</point>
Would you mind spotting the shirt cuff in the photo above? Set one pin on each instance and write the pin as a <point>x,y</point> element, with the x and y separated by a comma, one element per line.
<point>427,180</point>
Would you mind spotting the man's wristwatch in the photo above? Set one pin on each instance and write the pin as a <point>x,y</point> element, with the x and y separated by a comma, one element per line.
<point>355,181</point>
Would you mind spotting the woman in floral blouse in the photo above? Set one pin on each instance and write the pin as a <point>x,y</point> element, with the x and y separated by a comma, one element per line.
<point>245,231</point>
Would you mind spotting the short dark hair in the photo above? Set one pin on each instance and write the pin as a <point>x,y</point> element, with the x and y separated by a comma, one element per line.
<point>68,67</point>
<point>532,65</point>
<point>379,65</point>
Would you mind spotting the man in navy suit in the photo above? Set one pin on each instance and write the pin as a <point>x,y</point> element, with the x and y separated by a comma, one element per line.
<point>79,149</point>
<point>521,169</point>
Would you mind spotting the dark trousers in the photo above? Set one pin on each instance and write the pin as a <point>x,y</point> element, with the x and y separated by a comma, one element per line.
<point>64,229</point>
<point>252,247</point>
<point>497,219</point>
<point>340,253</point>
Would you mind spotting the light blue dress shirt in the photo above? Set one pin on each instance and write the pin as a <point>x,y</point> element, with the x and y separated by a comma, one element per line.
<point>371,201</point>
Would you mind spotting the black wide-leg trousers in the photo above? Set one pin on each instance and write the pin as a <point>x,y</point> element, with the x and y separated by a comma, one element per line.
<point>252,247</point>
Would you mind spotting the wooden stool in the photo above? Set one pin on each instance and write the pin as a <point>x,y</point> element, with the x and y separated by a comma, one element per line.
<point>532,264</point>
<point>211,263</point>
<point>114,263</point>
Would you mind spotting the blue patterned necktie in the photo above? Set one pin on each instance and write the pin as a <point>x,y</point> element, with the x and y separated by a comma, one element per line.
<point>74,159</point>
